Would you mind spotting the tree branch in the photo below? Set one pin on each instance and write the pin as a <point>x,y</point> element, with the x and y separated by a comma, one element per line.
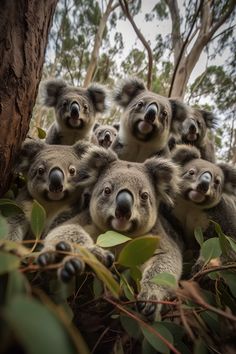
<point>177,41</point>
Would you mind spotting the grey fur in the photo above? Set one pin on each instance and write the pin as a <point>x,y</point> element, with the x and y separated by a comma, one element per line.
<point>104,135</point>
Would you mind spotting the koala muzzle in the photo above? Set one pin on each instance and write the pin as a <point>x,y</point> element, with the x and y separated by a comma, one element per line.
<point>56,179</point>
<point>107,136</point>
<point>124,204</point>
<point>74,110</point>
<point>204,182</point>
<point>151,113</point>
<point>190,127</point>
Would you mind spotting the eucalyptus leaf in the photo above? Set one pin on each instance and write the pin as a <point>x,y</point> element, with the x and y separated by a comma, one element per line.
<point>8,207</point>
<point>37,220</point>
<point>41,133</point>
<point>211,249</point>
<point>3,227</point>
<point>199,235</point>
<point>8,262</point>
<point>155,341</point>
<point>111,239</point>
<point>131,326</point>
<point>165,279</point>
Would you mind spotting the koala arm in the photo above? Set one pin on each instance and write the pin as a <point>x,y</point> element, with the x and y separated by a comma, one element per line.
<point>18,227</point>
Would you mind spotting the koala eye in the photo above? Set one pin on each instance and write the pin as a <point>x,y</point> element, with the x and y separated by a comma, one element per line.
<point>217,181</point>
<point>41,171</point>
<point>199,123</point>
<point>140,104</point>
<point>64,103</point>
<point>144,196</point>
<point>164,114</point>
<point>85,107</point>
<point>191,172</point>
<point>107,190</point>
<point>72,170</point>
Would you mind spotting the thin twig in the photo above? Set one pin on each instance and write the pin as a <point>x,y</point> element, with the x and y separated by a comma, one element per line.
<point>201,273</point>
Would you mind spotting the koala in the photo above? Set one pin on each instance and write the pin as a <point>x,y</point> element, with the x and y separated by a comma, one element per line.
<point>104,135</point>
<point>51,173</point>
<point>146,123</point>
<point>207,193</point>
<point>75,109</point>
<point>125,197</point>
<point>194,131</point>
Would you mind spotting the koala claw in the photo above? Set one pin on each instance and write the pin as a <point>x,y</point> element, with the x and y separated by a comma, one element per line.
<point>71,267</point>
<point>105,257</point>
<point>63,246</point>
<point>147,309</point>
<point>109,260</point>
<point>45,259</point>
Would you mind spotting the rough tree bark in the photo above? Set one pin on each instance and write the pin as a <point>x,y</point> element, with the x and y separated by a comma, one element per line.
<point>24,28</point>
<point>202,34</point>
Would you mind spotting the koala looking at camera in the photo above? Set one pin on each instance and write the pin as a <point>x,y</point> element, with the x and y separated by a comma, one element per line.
<point>146,123</point>
<point>75,109</point>
<point>125,197</point>
<point>104,135</point>
<point>51,173</point>
<point>207,193</point>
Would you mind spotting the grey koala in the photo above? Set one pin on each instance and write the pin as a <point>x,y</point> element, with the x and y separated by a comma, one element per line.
<point>51,173</point>
<point>104,135</point>
<point>207,193</point>
<point>75,110</point>
<point>146,123</point>
<point>125,197</point>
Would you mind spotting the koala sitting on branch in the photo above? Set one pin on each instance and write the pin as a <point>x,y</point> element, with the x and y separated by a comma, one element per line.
<point>146,123</point>
<point>125,197</point>
<point>51,173</point>
<point>75,109</point>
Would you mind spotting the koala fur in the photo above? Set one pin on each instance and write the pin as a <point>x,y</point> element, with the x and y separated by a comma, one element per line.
<point>75,110</point>
<point>194,131</point>
<point>146,123</point>
<point>125,197</point>
<point>207,193</point>
<point>51,173</point>
<point>103,135</point>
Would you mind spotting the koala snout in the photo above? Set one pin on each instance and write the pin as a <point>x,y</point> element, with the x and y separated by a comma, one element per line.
<point>124,204</point>
<point>74,110</point>
<point>107,136</point>
<point>151,113</point>
<point>204,182</point>
<point>56,179</point>
<point>190,127</point>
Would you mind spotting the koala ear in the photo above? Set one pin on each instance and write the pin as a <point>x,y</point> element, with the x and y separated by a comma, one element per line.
<point>98,96</point>
<point>165,175</point>
<point>209,118</point>
<point>116,126</point>
<point>96,160</point>
<point>29,150</point>
<point>229,172</point>
<point>50,90</point>
<point>185,153</point>
<point>179,114</point>
<point>81,147</point>
<point>127,90</point>
<point>96,125</point>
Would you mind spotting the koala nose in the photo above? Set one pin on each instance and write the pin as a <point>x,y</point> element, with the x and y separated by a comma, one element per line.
<point>107,136</point>
<point>124,203</point>
<point>204,184</point>
<point>151,113</point>
<point>74,110</point>
<point>192,128</point>
<point>56,179</point>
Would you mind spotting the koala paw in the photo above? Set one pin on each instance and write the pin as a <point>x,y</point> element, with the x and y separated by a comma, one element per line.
<point>71,267</point>
<point>63,246</point>
<point>51,255</point>
<point>46,258</point>
<point>105,257</point>
<point>144,304</point>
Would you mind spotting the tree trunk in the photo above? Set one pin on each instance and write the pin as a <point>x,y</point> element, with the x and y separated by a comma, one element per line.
<point>24,29</point>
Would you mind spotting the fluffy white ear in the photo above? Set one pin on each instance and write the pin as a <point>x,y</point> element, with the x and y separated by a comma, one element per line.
<point>50,91</point>
<point>127,90</point>
<point>165,176</point>
<point>229,172</point>
<point>99,97</point>
<point>93,163</point>
<point>185,153</point>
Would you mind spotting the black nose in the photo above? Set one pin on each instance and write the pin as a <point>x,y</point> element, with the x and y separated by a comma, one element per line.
<point>107,136</point>
<point>151,113</point>
<point>124,203</point>
<point>74,110</point>
<point>204,182</point>
<point>192,128</point>
<point>56,179</point>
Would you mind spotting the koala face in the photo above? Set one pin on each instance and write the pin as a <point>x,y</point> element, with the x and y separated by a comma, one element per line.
<point>125,196</point>
<point>194,127</point>
<point>51,171</point>
<point>104,135</point>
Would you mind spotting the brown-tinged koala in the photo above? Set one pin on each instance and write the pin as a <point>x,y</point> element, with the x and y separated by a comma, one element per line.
<point>51,173</point>
<point>103,135</point>
<point>195,129</point>
<point>75,110</point>
<point>125,197</point>
<point>207,193</point>
<point>146,123</point>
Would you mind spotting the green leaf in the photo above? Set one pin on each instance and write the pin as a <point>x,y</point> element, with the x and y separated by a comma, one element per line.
<point>155,341</point>
<point>199,235</point>
<point>232,243</point>
<point>3,227</point>
<point>41,133</point>
<point>147,348</point>
<point>31,322</point>
<point>97,287</point>
<point>8,262</point>
<point>37,220</point>
<point>130,326</point>
<point>211,249</point>
<point>165,279</point>
<point>138,251</point>
<point>200,347</point>
<point>229,278</point>
<point>17,284</point>
<point>111,238</point>
<point>224,243</point>
<point>8,207</point>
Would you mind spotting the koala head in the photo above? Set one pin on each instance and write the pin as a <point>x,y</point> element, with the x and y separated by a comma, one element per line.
<point>103,135</point>
<point>147,115</point>
<point>75,107</point>
<point>194,127</point>
<point>203,182</point>
<point>125,196</point>
<point>51,170</point>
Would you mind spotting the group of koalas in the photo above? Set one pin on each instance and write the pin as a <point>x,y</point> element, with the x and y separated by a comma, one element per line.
<point>153,174</point>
